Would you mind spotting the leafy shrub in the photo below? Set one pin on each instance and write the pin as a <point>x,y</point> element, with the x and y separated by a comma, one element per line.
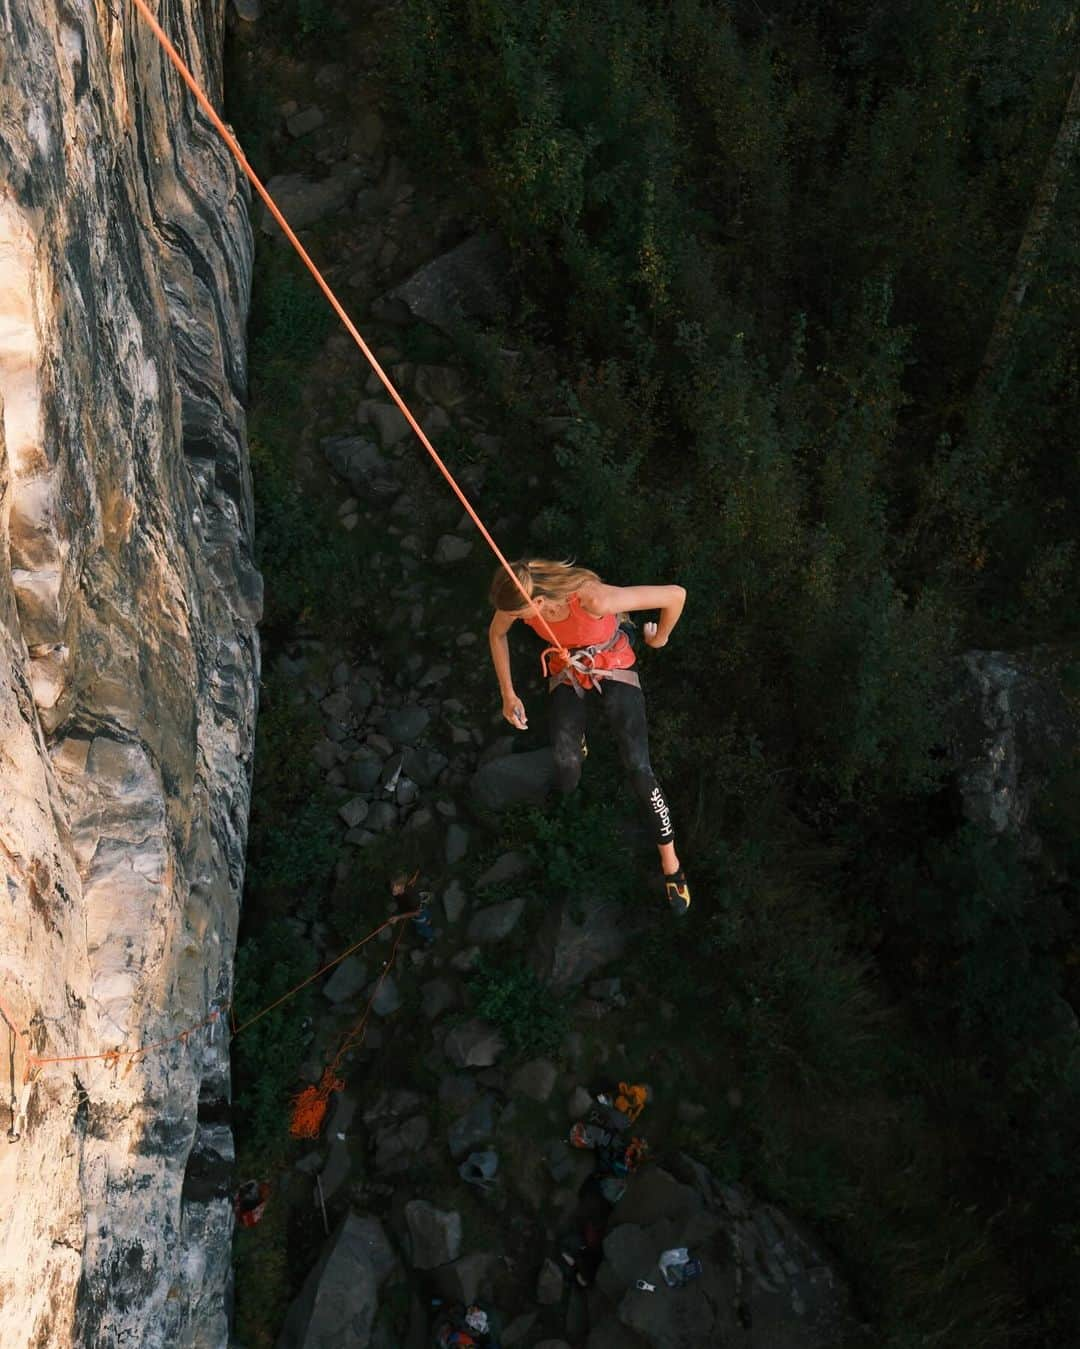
<point>267,1055</point>
<point>533,1019</point>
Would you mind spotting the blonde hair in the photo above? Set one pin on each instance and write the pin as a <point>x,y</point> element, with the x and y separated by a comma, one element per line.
<point>539,577</point>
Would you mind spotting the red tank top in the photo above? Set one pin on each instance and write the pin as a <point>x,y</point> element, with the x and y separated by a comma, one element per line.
<point>581,629</point>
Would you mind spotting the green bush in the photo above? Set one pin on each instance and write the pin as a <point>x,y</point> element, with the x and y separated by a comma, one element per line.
<point>267,1055</point>
<point>533,1019</point>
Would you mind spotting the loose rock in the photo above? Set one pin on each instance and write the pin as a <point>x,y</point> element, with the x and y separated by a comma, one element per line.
<point>496,922</point>
<point>535,1079</point>
<point>549,1284</point>
<point>338,1301</point>
<point>504,868</point>
<point>474,1044</point>
<point>300,123</point>
<point>477,1125</point>
<point>354,812</point>
<point>435,1234</point>
<point>451,548</point>
<point>516,779</point>
<point>457,842</point>
<point>406,724</point>
<point>346,981</point>
<point>453,901</point>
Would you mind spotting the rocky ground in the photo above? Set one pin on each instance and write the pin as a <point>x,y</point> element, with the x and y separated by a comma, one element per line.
<point>444,1172</point>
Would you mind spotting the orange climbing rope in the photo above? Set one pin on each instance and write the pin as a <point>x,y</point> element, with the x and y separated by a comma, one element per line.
<point>309,1106</point>
<point>129,1057</point>
<point>234,147</point>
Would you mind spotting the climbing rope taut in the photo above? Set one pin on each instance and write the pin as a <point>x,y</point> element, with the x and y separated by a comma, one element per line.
<point>234,148</point>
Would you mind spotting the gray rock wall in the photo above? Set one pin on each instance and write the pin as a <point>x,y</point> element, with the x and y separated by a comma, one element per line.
<point>129,670</point>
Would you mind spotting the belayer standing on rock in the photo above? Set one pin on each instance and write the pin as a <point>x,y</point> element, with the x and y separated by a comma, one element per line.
<point>585,614</point>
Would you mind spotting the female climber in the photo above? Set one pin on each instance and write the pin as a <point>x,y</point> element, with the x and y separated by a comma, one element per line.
<point>584,614</point>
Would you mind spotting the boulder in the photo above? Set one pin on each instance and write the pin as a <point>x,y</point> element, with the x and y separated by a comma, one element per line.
<point>440,384</point>
<point>497,749</point>
<point>1014,716</point>
<point>549,1284</point>
<point>453,901</point>
<point>468,1278</point>
<point>363,467</point>
<point>579,1103</point>
<point>385,996</point>
<point>514,780</point>
<point>304,200</point>
<point>477,1125</point>
<point>517,1332</point>
<point>305,121</point>
<point>535,1079</point>
<point>337,1169</point>
<point>395,1143</point>
<point>405,725</point>
<point>435,1234</point>
<point>423,765</point>
<point>369,1232</point>
<point>466,959</point>
<point>354,812</point>
<point>504,868</point>
<point>457,1090</point>
<point>753,1256</point>
<point>495,923</point>
<point>437,996</point>
<point>392,1104</point>
<point>457,842</point>
<point>338,1301</point>
<point>474,1044</point>
<point>362,770</point>
<point>468,281</point>
<point>451,548</point>
<point>346,981</point>
<point>389,423</point>
<point>578,937</point>
<point>367,136</point>
<point>682,1321</point>
<point>381,817</point>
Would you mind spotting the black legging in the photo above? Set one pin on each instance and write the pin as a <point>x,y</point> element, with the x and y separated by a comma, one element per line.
<point>624,707</point>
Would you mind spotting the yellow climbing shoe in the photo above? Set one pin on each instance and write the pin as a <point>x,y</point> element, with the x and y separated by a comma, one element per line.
<point>678,892</point>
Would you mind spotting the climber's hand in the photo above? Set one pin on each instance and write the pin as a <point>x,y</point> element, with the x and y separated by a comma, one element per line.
<point>514,712</point>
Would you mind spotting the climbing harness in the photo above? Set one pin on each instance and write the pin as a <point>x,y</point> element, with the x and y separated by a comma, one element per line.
<point>233,146</point>
<point>580,670</point>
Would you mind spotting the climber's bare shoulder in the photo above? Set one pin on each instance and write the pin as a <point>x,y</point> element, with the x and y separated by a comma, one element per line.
<point>601,599</point>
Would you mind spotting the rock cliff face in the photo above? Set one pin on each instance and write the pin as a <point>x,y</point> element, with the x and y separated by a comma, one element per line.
<point>129,672</point>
